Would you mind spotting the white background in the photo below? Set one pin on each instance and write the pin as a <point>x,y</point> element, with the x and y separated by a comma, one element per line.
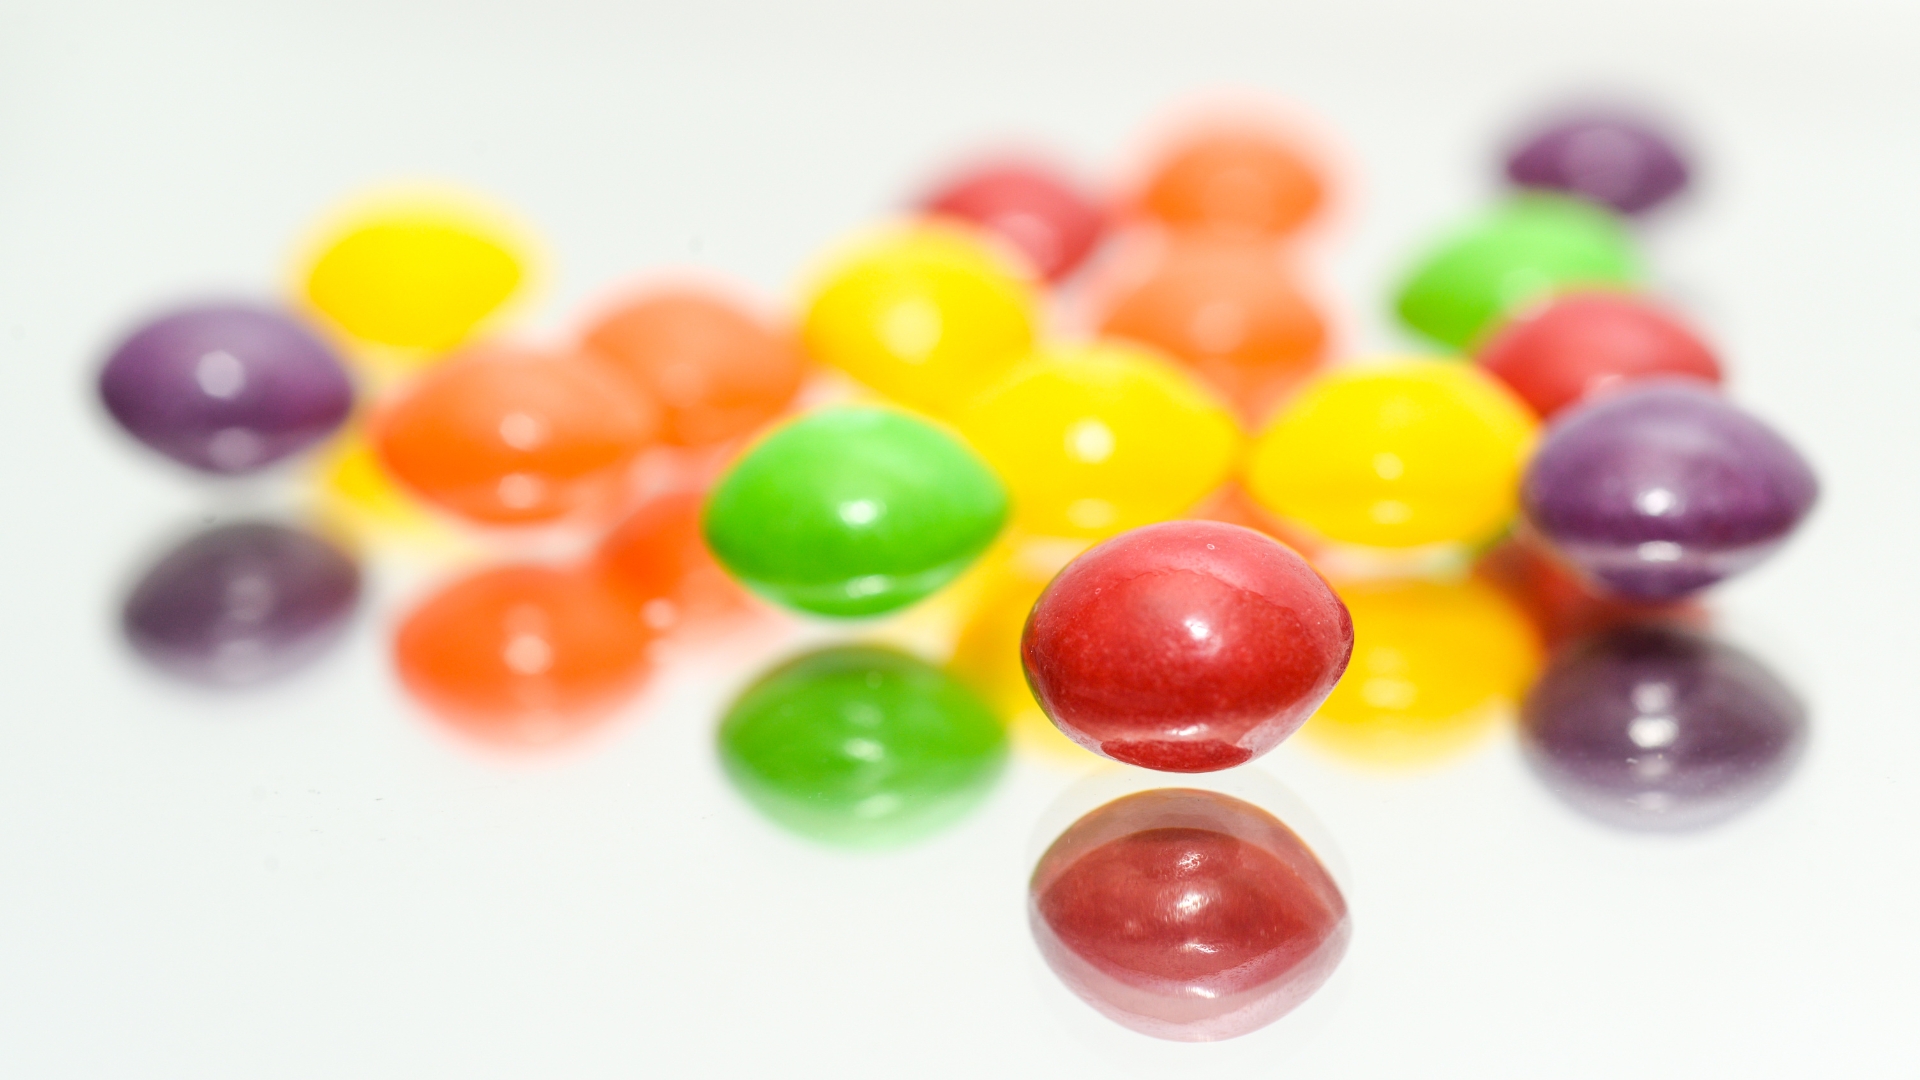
<point>312,881</point>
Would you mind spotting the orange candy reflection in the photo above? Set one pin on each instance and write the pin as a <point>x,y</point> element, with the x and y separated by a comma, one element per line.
<point>509,436</point>
<point>715,369</point>
<point>1247,178</point>
<point>658,564</point>
<point>522,655</point>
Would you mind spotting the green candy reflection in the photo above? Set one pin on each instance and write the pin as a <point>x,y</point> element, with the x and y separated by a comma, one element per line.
<point>861,746</point>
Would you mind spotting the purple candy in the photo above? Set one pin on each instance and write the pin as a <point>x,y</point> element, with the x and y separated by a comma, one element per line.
<point>227,388</point>
<point>1612,160</point>
<point>1654,727</point>
<point>1663,488</point>
<point>242,603</point>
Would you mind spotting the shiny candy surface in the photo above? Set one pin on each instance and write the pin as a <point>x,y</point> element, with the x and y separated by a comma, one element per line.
<point>929,314</point>
<point>1187,646</point>
<point>522,655</point>
<point>1231,310</point>
<point>1240,179</point>
<point>1036,208</point>
<point>1094,439</point>
<point>657,562</point>
<point>1660,728</point>
<point>861,746</point>
<point>1187,915</point>
<point>1618,161</point>
<point>716,370</point>
<point>853,511</point>
<point>1663,489</point>
<point>225,388</point>
<point>1583,343</point>
<point>1395,455</point>
<point>241,603</point>
<point>1521,252</point>
<point>509,436</point>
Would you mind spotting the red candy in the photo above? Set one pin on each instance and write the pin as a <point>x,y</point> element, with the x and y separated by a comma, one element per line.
<point>1584,342</point>
<point>1186,646</point>
<point>1187,914</point>
<point>1032,207</point>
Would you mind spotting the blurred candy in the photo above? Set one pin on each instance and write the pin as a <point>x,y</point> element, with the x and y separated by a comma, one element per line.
<point>1245,179</point>
<point>861,746</point>
<point>1658,728</point>
<point>1395,455</point>
<point>227,388</point>
<point>1187,646</point>
<point>1094,439</point>
<point>417,274</point>
<point>1435,665</point>
<point>1623,163</point>
<point>1187,915</point>
<point>1036,208</point>
<point>1662,489</point>
<point>1229,309</point>
<point>358,494</point>
<point>507,436</point>
<point>987,655</point>
<point>853,511</point>
<point>1560,605</point>
<point>929,314</point>
<point>716,370</point>
<point>658,563</point>
<point>1582,343</point>
<point>522,655</point>
<point>1526,249</point>
<point>242,603</point>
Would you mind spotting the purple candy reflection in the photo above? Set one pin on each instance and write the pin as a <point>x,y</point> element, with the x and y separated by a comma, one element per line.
<point>1613,160</point>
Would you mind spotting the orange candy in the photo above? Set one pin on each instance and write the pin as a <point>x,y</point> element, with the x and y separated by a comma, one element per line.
<point>658,564</point>
<point>522,655</point>
<point>1230,309</point>
<point>510,437</point>
<point>716,370</point>
<point>1245,178</point>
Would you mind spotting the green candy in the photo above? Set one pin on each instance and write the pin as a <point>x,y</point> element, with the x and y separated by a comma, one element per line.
<point>854,511</point>
<point>861,746</point>
<point>1528,248</point>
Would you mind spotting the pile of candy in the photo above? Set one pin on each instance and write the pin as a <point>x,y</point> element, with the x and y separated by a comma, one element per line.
<point>1171,539</point>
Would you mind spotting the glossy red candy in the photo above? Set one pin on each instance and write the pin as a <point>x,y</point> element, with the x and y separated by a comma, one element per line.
<point>1035,208</point>
<point>1187,914</point>
<point>1584,342</point>
<point>1186,646</point>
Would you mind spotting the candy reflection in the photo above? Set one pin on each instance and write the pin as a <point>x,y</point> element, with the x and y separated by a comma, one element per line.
<point>1435,666</point>
<point>1187,914</point>
<point>242,603</point>
<point>861,746</point>
<point>1657,727</point>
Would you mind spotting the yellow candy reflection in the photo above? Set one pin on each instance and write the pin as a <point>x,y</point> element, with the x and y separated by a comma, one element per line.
<point>1396,455</point>
<point>928,314</point>
<point>1096,439</point>
<point>1435,666</point>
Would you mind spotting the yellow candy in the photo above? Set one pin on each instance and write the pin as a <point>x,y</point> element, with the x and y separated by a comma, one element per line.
<point>1435,665</point>
<point>418,271</point>
<point>1096,439</point>
<point>987,656</point>
<point>928,314</point>
<point>1396,455</point>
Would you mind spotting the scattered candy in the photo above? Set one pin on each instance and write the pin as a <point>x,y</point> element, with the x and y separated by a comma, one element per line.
<point>929,314</point>
<point>657,562</point>
<point>226,388</point>
<point>1187,646</point>
<point>507,436</point>
<point>716,370</point>
<point>854,511</point>
<point>1187,915</point>
<point>861,746</point>
<point>242,603</point>
<point>1659,728</point>
<point>986,655</point>
<point>1623,163</point>
<point>1237,178</point>
<point>1665,488</point>
<point>1395,455</point>
<point>1034,207</point>
<point>1525,250</point>
<point>1582,343</point>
